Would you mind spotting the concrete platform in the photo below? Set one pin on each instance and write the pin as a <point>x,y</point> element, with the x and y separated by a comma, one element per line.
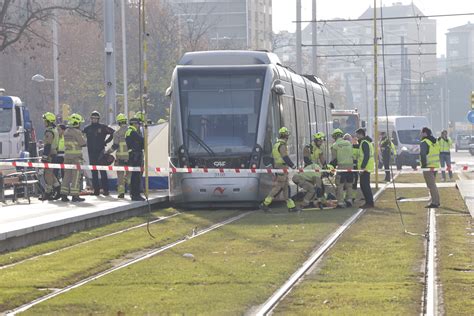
<point>24,224</point>
<point>466,188</point>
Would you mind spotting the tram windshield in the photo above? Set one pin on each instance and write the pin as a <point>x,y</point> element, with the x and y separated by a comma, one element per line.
<point>220,109</point>
<point>348,123</point>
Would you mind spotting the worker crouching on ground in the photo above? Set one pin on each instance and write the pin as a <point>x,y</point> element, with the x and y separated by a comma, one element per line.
<point>341,152</point>
<point>281,160</point>
<point>51,141</point>
<point>366,163</point>
<point>314,153</point>
<point>135,145</point>
<point>310,182</point>
<point>73,143</point>
<point>96,134</point>
<point>429,157</point>
<point>120,146</point>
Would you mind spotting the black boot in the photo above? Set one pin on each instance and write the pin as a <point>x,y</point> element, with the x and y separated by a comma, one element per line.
<point>76,198</point>
<point>121,196</point>
<point>64,198</point>
<point>46,197</point>
<point>57,193</point>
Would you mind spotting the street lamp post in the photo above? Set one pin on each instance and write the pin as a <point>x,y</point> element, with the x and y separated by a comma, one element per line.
<point>41,78</point>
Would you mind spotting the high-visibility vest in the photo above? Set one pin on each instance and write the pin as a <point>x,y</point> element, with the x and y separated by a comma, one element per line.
<point>130,129</point>
<point>432,159</point>
<point>444,145</point>
<point>55,143</point>
<point>315,153</point>
<point>343,150</point>
<point>277,158</point>
<point>309,176</point>
<point>370,164</point>
<point>61,146</point>
<point>122,150</point>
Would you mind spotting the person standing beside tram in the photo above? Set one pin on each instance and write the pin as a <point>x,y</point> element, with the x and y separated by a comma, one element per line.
<point>135,144</point>
<point>429,157</point>
<point>120,146</point>
<point>73,143</point>
<point>445,144</point>
<point>365,163</point>
<point>51,141</point>
<point>281,160</point>
<point>341,152</point>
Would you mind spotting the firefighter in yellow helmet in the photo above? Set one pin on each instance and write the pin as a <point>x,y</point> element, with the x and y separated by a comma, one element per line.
<point>310,181</point>
<point>51,142</point>
<point>341,152</point>
<point>73,143</point>
<point>119,145</point>
<point>281,180</point>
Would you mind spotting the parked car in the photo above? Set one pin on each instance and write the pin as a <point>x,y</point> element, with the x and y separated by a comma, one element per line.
<point>462,142</point>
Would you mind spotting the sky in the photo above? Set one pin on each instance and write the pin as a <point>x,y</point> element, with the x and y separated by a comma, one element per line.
<point>284,13</point>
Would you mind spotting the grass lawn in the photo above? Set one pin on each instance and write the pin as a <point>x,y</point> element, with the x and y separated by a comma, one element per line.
<point>455,252</point>
<point>375,269</point>
<point>65,241</point>
<point>234,268</point>
<point>34,278</point>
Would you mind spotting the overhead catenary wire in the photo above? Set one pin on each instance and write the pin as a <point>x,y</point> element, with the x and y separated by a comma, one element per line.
<point>371,55</point>
<point>387,129</point>
<point>387,18</point>
<point>366,44</point>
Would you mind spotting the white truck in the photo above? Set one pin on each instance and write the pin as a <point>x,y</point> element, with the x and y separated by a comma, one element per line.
<point>17,136</point>
<point>405,132</point>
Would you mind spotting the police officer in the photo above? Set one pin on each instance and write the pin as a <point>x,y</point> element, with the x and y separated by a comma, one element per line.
<point>387,149</point>
<point>120,145</point>
<point>365,162</point>
<point>96,134</point>
<point>341,152</point>
<point>445,144</point>
<point>281,180</point>
<point>73,143</point>
<point>50,150</point>
<point>310,181</point>
<point>135,145</point>
<point>429,157</point>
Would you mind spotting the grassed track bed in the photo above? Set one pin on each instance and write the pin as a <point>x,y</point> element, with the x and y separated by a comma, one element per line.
<point>384,275</point>
<point>375,269</point>
<point>234,268</point>
<point>31,279</point>
<point>82,236</point>
<point>455,255</point>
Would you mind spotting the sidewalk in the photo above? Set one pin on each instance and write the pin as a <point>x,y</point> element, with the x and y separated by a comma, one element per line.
<point>24,224</point>
<point>466,188</point>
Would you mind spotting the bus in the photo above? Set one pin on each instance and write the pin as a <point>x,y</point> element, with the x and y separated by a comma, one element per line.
<point>226,108</point>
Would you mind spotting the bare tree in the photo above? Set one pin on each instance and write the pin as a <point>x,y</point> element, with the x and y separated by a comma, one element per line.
<point>19,17</point>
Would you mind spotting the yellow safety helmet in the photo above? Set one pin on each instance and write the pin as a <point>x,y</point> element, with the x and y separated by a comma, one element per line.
<point>284,131</point>
<point>121,118</point>
<point>319,136</point>
<point>337,132</point>
<point>75,119</point>
<point>140,116</point>
<point>49,117</point>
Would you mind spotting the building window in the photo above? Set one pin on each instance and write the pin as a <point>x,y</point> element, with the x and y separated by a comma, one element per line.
<point>453,40</point>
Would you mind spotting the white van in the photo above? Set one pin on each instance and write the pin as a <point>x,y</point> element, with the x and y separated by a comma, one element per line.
<point>405,133</point>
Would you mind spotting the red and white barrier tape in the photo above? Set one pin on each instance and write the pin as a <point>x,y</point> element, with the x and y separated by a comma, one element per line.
<point>43,165</point>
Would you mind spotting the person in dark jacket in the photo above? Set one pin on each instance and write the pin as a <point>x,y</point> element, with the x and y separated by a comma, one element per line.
<point>98,135</point>
<point>135,145</point>
<point>429,157</point>
<point>365,162</point>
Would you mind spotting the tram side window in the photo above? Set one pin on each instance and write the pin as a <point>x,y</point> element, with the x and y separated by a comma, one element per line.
<point>303,121</point>
<point>312,111</point>
<point>289,120</point>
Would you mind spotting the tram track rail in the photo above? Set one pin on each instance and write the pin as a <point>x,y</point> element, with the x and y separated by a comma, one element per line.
<point>49,253</point>
<point>142,256</point>
<point>430,290</point>
<point>268,306</point>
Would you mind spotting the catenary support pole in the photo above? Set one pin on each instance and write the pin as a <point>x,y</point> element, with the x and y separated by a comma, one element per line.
<point>110,79</point>
<point>376,132</point>
<point>124,58</point>
<point>299,48</point>
<point>314,33</point>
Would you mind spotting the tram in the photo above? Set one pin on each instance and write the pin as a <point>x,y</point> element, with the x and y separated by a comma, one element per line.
<point>226,110</point>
